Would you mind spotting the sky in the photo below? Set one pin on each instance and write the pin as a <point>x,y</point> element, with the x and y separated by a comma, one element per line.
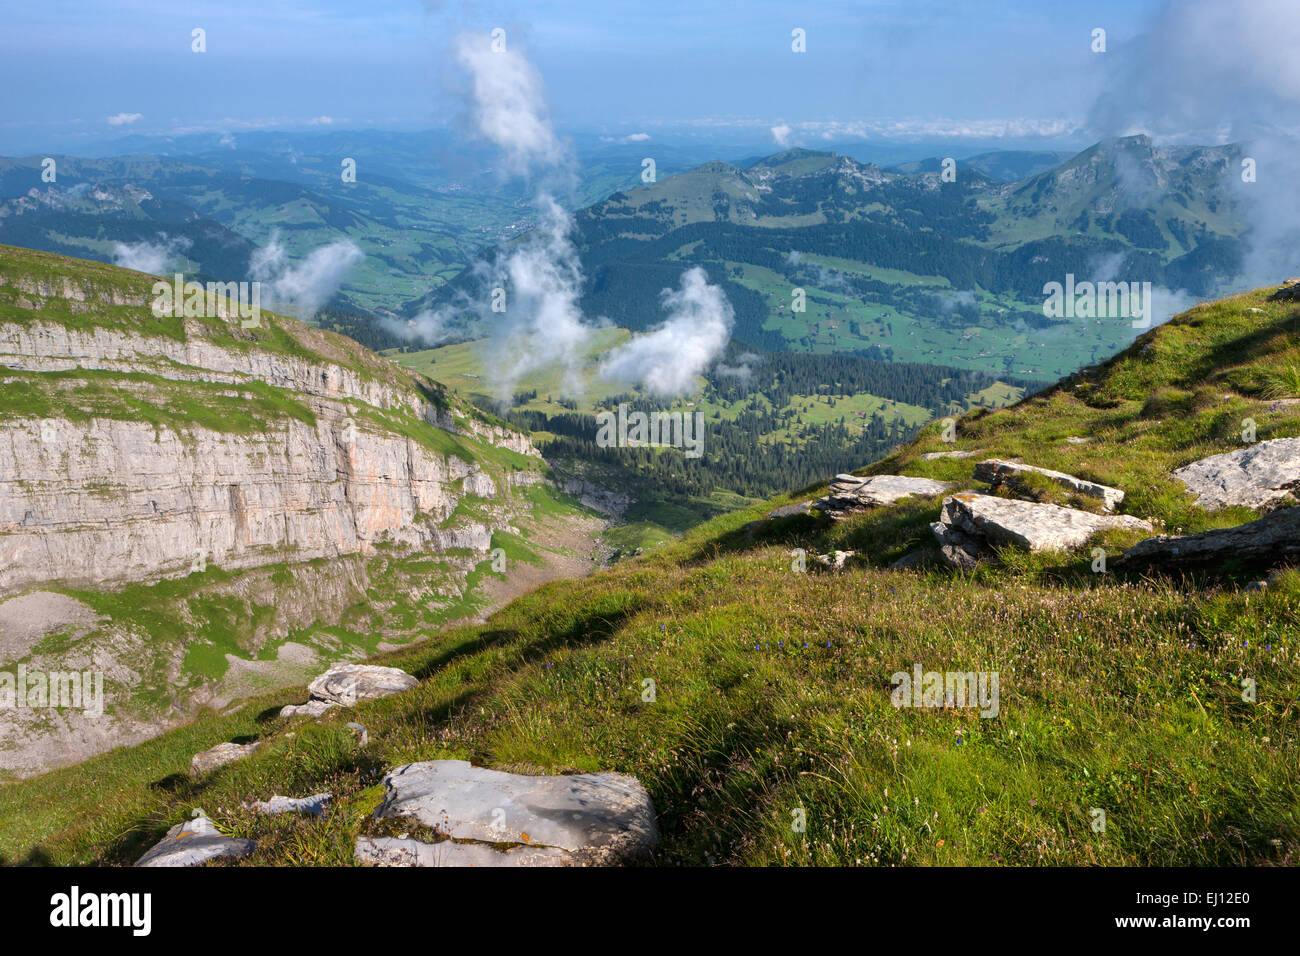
<point>74,71</point>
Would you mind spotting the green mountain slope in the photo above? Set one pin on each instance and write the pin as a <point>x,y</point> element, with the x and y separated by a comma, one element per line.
<point>1120,693</point>
<point>205,510</point>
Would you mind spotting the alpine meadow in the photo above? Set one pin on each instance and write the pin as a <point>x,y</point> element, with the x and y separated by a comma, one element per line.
<point>840,437</point>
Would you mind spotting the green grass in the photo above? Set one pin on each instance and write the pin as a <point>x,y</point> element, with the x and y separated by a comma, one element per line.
<point>1117,692</point>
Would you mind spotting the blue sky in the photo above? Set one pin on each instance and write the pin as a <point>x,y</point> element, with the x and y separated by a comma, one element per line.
<point>872,67</point>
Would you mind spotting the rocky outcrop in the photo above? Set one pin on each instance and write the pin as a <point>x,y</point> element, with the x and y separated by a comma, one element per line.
<point>344,685</point>
<point>1271,540</point>
<point>219,756</point>
<point>850,494</point>
<point>589,819</point>
<point>970,525</point>
<point>997,472</point>
<point>1289,291</point>
<point>1258,476</point>
<point>193,842</point>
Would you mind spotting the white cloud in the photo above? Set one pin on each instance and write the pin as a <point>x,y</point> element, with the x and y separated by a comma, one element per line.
<point>509,104</point>
<point>306,287</point>
<point>667,359</point>
<point>781,135</point>
<point>150,257</point>
<point>124,119</point>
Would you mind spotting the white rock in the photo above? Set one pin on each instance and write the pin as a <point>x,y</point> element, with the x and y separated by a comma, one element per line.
<point>1257,476</point>
<point>313,805</point>
<point>1027,524</point>
<point>592,818</point>
<point>193,842</point>
<point>347,684</point>
<point>997,471</point>
<point>219,756</point>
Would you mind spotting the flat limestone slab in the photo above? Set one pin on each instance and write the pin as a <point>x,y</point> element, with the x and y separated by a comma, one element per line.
<point>1273,538</point>
<point>595,818</point>
<point>1256,476</point>
<point>193,842</point>
<point>404,851</point>
<point>1028,524</point>
<point>850,494</point>
<point>996,471</point>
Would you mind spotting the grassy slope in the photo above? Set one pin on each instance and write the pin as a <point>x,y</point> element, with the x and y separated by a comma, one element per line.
<point>772,686</point>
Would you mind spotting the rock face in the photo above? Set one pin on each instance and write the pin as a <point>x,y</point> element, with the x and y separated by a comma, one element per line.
<point>94,499</point>
<point>996,472</point>
<point>1274,538</point>
<point>1258,476</point>
<point>193,842</point>
<point>851,494</point>
<point>346,684</point>
<point>587,819</point>
<point>219,756</point>
<point>108,500</point>
<point>969,524</point>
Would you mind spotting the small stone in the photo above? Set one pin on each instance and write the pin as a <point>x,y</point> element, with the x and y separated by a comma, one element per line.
<point>313,805</point>
<point>219,756</point>
<point>313,708</point>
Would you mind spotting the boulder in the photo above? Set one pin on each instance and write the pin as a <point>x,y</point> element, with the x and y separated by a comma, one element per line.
<point>589,819</point>
<point>1272,539</point>
<point>220,755</point>
<point>347,684</point>
<point>993,521</point>
<point>193,842</point>
<point>314,805</point>
<point>1257,476</point>
<point>996,471</point>
<point>850,494</point>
